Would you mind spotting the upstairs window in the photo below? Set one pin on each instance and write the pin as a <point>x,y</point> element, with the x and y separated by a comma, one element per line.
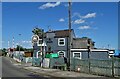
<point>61,41</point>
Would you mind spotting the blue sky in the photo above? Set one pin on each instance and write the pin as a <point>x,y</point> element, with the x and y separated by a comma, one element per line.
<point>97,20</point>
<point>0,25</point>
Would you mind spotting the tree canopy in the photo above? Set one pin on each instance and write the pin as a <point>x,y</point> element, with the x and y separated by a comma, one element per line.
<point>38,31</point>
<point>19,48</point>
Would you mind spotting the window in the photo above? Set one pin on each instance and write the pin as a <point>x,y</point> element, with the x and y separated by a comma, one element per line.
<point>77,55</point>
<point>61,54</point>
<point>61,41</point>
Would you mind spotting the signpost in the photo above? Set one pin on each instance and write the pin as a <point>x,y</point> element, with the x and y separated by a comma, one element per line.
<point>35,40</point>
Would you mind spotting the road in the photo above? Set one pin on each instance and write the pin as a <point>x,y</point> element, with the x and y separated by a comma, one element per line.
<point>0,66</point>
<point>10,71</point>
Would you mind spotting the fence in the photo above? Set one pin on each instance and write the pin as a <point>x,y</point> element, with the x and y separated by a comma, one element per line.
<point>36,61</point>
<point>27,59</point>
<point>56,61</point>
<point>109,67</point>
<point>49,62</point>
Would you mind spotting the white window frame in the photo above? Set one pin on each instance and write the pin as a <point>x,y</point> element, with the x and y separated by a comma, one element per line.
<point>77,57</point>
<point>61,51</point>
<point>59,41</point>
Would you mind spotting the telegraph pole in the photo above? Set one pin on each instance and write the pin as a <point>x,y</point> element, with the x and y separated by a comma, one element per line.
<point>69,55</point>
<point>8,47</point>
<point>88,45</point>
<point>13,44</point>
<point>19,47</point>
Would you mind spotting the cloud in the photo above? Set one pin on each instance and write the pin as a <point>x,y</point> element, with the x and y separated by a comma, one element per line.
<point>61,20</point>
<point>84,27</point>
<point>76,14</point>
<point>17,44</point>
<point>66,5</point>
<point>89,15</point>
<point>26,41</point>
<point>79,21</point>
<point>49,5</point>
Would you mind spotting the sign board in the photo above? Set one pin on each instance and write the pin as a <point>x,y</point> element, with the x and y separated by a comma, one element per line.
<point>35,38</point>
<point>46,62</point>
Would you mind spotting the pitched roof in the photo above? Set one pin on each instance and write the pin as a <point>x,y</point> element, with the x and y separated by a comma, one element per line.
<point>61,33</point>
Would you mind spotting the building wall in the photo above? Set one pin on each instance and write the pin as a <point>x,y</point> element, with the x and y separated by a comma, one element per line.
<point>99,55</point>
<point>53,42</point>
<point>28,54</point>
<point>93,54</point>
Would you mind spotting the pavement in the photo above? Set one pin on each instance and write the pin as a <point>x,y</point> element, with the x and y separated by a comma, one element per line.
<point>16,71</point>
<point>56,73</point>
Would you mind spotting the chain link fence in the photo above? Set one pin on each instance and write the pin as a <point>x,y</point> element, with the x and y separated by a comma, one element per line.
<point>109,67</point>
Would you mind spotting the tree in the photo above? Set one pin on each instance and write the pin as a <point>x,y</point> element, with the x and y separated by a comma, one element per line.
<point>38,31</point>
<point>4,51</point>
<point>19,48</point>
<point>29,49</point>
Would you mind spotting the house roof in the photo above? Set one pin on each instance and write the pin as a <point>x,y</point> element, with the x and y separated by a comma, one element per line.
<point>83,38</point>
<point>61,33</point>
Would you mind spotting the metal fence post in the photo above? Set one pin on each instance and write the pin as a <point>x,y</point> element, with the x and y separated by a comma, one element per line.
<point>112,66</point>
<point>74,63</point>
<point>118,67</point>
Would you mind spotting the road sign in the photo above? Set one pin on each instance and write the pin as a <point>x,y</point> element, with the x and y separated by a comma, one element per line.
<point>35,38</point>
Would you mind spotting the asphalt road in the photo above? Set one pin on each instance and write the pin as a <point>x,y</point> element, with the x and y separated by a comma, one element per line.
<point>0,66</point>
<point>9,71</point>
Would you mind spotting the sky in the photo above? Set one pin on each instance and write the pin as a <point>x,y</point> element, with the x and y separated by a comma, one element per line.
<point>96,20</point>
<point>0,25</point>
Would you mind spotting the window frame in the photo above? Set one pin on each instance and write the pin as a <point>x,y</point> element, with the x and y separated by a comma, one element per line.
<point>61,51</point>
<point>59,42</point>
<point>77,53</point>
